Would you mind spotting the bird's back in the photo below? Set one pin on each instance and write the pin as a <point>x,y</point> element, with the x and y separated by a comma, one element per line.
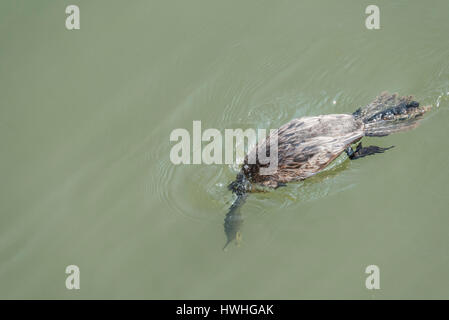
<point>307,145</point>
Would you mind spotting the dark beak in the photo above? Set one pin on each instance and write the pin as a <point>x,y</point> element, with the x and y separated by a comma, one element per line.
<point>226,245</point>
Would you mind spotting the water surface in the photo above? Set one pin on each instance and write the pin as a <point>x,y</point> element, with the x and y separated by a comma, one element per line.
<point>85,119</point>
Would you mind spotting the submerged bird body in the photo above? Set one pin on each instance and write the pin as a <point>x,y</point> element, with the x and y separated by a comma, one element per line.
<point>307,145</point>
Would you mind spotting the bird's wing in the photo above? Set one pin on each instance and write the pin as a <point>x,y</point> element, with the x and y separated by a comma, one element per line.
<point>311,156</point>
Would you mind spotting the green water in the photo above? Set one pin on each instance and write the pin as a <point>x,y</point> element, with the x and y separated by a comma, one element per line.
<point>85,120</point>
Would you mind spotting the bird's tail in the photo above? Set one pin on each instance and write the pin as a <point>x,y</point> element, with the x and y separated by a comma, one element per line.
<point>389,114</point>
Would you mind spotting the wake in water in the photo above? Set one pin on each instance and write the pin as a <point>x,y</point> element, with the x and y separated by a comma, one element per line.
<point>307,145</point>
